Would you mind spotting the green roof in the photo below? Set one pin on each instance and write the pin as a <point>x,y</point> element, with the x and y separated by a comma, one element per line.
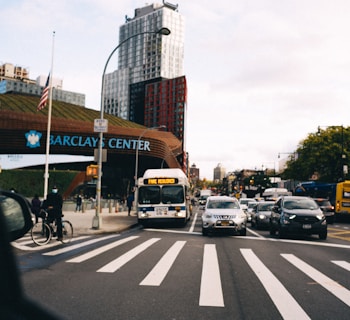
<point>60,109</point>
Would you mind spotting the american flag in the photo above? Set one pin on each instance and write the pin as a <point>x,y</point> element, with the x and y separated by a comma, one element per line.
<point>44,96</point>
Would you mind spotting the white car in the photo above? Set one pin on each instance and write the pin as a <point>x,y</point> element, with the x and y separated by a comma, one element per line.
<point>223,213</point>
<point>247,204</point>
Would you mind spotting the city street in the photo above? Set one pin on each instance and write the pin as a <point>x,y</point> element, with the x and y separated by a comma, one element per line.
<point>176,273</point>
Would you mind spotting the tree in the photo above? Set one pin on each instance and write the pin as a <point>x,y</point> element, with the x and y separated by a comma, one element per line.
<point>321,156</point>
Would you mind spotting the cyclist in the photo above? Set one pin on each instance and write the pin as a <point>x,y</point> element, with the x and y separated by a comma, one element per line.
<point>53,204</point>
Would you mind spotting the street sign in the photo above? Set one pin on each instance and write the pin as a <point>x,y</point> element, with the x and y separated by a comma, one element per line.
<point>100,125</point>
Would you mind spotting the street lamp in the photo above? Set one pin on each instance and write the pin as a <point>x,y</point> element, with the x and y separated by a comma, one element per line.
<point>137,149</point>
<point>96,222</point>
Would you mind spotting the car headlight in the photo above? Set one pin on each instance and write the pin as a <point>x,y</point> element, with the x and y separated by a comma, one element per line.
<point>208,215</point>
<point>286,217</point>
<point>320,217</point>
<point>262,216</point>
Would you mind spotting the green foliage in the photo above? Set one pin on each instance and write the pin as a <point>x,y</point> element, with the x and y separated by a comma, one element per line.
<point>31,182</point>
<point>321,156</point>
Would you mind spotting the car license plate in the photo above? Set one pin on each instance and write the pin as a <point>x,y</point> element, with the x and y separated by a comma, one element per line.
<point>161,211</point>
<point>225,223</point>
<point>306,226</point>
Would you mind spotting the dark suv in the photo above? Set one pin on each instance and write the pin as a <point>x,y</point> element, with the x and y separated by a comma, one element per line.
<point>297,215</point>
<point>327,208</point>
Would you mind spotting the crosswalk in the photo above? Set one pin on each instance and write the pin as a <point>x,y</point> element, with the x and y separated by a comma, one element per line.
<point>211,290</point>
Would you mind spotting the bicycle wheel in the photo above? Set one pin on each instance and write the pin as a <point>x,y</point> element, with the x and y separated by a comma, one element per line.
<point>41,233</point>
<point>67,231</point>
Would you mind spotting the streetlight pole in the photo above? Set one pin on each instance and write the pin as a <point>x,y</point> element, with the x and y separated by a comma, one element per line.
<point>137,150</point>
<point>96,222</point>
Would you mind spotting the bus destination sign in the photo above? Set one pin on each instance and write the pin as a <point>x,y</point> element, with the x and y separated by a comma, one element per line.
<point>154,181</point>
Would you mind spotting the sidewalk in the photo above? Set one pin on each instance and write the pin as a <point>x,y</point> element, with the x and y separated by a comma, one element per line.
<point>113,222</point>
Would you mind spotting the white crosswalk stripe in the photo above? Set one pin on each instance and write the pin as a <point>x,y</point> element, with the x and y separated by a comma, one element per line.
<point>211,291</point>
<point>343,264</point>
<point>100,250</point>
<point>119,262</point>
<point>332,286</point>
<point>79,245</point>
<point>158,273</point>
<point>283,300</point>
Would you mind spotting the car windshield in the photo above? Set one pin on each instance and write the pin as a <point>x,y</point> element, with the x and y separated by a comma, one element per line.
<point>223,205</point>
<point>323,203</point>
<point>300,204</point>
<point>265,206</point>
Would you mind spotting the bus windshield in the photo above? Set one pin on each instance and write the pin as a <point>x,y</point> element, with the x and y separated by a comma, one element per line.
<point>149,195</point>
<point>157,195</point>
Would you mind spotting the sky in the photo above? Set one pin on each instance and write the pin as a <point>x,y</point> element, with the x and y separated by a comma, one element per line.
<point>261,74</point>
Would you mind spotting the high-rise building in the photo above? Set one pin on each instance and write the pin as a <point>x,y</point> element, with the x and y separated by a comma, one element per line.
<point>149,86</point>
<point>219,172</point>
<point>15,79</point>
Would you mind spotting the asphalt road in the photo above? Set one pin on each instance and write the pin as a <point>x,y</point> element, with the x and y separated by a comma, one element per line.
<point>176,273</point>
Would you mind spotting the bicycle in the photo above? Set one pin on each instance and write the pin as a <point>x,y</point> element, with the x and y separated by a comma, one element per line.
<point>43,231</point>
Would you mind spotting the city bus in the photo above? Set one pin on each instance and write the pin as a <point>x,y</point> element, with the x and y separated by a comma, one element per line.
<point>342,198</point>
<point>163,195</point>
<point>337,193</point>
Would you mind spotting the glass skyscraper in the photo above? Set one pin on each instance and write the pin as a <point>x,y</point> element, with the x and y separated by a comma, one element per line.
<point>144,59</point>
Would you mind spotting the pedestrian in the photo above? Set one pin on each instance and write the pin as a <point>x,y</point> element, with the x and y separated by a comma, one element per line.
<point>36,207</point>
<point>129,202</point>
<point>78,203</point>
<point>53,204</point>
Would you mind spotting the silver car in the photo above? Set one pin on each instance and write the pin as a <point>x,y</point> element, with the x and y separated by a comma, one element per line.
<point>223,213</point>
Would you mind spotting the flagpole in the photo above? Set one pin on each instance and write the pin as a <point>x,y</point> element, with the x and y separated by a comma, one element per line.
<point>46,175</point>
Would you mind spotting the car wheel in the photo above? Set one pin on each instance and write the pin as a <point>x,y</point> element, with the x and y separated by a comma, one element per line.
<point>281,233</point>
<point>243,232</point>
<point>323,235</point>
<point>204,231</point>
<point>272,230</point>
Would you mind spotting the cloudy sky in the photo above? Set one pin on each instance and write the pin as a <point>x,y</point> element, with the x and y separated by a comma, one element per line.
<point>262,74</point>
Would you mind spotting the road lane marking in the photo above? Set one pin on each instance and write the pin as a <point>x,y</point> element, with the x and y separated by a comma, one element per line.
<point>332,286</point>
<point>160,270</point>
<point>283,300</point>
<point>125,258</point>
<point>193,222</point>
<point>78,245</point>
<point>51,244</point>
<point>211,291</point>
<point>100,250</point>
<point>343,264</point>
<point>254,233</point>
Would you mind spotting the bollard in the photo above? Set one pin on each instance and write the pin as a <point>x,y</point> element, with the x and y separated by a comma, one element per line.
<point>117,207</point>
<point>110,206</point>
<point>83,205</point>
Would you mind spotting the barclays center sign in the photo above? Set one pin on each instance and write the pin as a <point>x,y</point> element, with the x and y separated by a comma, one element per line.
<point>33,138</point>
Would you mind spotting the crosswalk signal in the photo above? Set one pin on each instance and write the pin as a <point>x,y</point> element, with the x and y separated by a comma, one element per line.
<point>92,171</point>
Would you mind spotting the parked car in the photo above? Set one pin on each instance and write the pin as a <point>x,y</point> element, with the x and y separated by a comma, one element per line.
<point>297,215</point>
<point>327,208</point>
<point>223,213</point>
<point>261,214</point>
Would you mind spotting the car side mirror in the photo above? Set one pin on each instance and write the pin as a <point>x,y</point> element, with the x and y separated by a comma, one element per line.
<point>275,209</point>
<point>17,214</point>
